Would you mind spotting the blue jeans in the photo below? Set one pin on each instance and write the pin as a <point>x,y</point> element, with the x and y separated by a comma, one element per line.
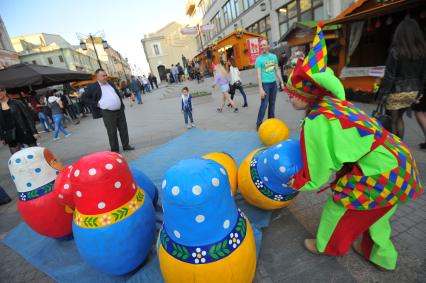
<point>57,118</point>
<point>270,97</point>
<point>187,113</point>
<point>44,120</point>
<point>138,96</point>
<point>147,88</point>
<point>175,78</point>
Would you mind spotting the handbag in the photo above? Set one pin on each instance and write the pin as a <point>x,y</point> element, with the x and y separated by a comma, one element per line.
<point>237,84</point>
<point>381,116</point>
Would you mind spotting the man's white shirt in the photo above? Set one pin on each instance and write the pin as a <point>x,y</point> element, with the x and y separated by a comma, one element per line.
<point>109,99</point>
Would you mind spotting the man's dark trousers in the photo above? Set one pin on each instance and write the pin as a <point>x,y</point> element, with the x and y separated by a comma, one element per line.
<point>116,120</point>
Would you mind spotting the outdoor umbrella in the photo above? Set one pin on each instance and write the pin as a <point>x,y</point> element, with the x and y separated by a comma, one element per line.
<point>36,76</point>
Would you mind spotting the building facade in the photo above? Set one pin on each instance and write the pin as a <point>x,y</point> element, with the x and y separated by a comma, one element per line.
<point>166,47</point>
<point>270,17</point>
<point>8,56</point>
<point>53,50</point>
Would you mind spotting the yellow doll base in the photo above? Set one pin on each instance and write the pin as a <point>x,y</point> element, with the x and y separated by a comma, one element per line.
<point>238,267</point>
<point>249,190</point>
<point>230,166</point>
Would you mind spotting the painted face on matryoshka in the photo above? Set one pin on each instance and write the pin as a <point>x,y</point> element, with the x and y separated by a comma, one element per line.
<point>52,160</point>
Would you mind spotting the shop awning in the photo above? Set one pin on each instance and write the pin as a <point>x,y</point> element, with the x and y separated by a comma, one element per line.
<point>366,9</point>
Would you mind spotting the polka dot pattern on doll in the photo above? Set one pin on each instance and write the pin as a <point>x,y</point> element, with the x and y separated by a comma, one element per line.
<point>66,187</point>
<point>117,185</point>
<point>119,160</point>
<point>175,190</point>
<point>163,185</point>
<point>176,233</point>
<point>200,218</point>
<point>276,156</point>
<point>76,173</point>
<point>37,170</point>
<point>215,182</point>
<point>101,205</point>
<point>197,190</point>
<point>109,166</point>
<point>92,172</point>
<point>78,194</point>
<point>30,156</point>
<point>282,169</point>
<point>226,224</point>
<point>222,171</point>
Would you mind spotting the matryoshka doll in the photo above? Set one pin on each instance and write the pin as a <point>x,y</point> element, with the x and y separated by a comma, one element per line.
<point>204,237</point>
<point>264,174</point>
<point>114,219</point>
<point>34,170</point>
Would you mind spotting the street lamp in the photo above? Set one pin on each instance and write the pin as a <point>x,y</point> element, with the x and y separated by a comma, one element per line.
<point>83,46</point>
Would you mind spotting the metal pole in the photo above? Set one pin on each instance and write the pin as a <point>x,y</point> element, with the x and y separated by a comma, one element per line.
<point>96,52</point>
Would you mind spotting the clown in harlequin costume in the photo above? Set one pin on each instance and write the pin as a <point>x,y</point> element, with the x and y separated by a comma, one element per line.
<point>263,175</point>
<point>375,170</point>
<point>205,237</point>
<point>114,219</point>
<point>34,171</point>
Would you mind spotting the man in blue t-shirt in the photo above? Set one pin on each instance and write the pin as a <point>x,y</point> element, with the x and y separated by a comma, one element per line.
<point>267,74</point>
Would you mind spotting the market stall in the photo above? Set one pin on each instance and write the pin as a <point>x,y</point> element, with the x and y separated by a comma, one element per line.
<point>241,45</point>
<point>367,29</point>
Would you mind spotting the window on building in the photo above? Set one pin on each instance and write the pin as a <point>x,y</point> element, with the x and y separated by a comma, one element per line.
<point>299,10</point>
<point>248,3</point>
<point>230,11</point>
<point>217,24</point>
<point>156,49</point>
<point>61,59</point>
<point>49,60</point>
<point>263,26</point>
<point>34,62</point>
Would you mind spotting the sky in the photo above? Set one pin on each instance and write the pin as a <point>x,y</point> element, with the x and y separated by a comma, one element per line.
<point>124,22</point>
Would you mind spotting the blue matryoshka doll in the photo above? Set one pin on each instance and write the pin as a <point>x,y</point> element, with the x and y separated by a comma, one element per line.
<point>205,237</point>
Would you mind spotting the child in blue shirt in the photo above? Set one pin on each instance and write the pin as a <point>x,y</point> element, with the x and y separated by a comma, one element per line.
<point>186,105</point>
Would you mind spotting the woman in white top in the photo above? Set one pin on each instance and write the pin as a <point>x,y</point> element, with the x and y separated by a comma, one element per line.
<point>236,81</point>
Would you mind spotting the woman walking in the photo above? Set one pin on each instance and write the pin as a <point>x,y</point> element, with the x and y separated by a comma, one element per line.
<point>221,79</point>
<point>236,81</point>
<point>16,123</point>
<point>405,72</point>
<point>55,104</point>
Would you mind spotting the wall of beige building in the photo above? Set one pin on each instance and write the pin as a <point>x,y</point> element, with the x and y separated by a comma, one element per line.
<point>166,47</point>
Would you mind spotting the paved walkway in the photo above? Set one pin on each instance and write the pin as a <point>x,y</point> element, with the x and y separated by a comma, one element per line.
<point>282,258</point>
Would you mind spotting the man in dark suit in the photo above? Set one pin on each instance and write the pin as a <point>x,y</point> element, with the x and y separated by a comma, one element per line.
<point>105,101</point>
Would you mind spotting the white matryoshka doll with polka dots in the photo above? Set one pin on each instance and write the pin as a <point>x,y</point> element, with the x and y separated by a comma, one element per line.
<point>114,220</point>
<point>204,237</point>
<point>263,175</point>
<point>34,171</point>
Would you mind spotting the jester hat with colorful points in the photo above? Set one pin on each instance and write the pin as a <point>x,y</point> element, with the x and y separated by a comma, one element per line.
<point>311,79</point>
